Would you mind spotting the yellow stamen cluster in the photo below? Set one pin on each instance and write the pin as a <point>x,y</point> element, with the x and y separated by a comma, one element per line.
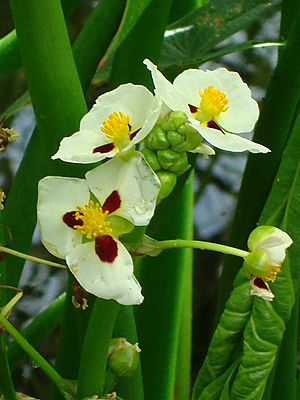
<point>213,102</point>
<point>272,275</point>
<point>94,220</point>
<point>117,128</point>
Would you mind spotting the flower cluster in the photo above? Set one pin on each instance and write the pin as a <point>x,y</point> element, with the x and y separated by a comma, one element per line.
<point>83,220</point>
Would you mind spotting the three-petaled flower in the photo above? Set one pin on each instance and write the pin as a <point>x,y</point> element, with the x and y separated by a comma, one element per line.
<point>218,104</point>
<point>118,120</point>
<point>81,221</point>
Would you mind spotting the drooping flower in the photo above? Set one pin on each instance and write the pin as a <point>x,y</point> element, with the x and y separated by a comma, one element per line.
<point>81,221</point>
<point>118,120</point>
<point>218,104</point>
<point>267,245</point>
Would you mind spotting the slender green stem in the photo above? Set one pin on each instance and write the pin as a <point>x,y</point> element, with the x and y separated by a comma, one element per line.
<point>198,244</point>
<point>38,329</point>
<point>34,355</point>
<point>30,258</point>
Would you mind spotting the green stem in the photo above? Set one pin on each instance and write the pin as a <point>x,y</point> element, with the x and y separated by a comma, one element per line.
<point>30,258</point>
<point>38,329</point>
<point>34,355</point>
<point>198,244</point>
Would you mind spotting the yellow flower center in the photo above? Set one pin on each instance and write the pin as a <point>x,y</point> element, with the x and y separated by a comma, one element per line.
<point>213,102</point>
<point>93,220</point>
<point>117,128</point>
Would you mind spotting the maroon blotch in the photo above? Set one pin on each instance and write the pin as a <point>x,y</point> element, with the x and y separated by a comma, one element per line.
<point>70,220</point>
<point>260,283</point>
<point>193,109</point>
<point>112,202</point>
<point>133,134</point>
<point>212,124</point>
<point>106,248</point>
<point>105,148</point>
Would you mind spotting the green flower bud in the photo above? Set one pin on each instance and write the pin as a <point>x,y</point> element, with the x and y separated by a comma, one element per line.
<point>168,182</point>
<point>174,120</point>
<point>151,158</point>
<point>157,139</point>
<point>123,357</point>
<point>193,139</point>
<point>173,161</point>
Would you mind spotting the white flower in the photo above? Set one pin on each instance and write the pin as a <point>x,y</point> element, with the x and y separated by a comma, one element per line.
<point>267,245</point>
<point>119,119</point>
<point>81,220</point>
<point>218,104</point>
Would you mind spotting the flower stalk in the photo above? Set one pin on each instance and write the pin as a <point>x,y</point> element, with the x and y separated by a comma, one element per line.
<point>30,258</point>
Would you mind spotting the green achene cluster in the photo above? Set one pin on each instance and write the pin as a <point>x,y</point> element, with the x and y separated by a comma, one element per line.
<point>166,149</point>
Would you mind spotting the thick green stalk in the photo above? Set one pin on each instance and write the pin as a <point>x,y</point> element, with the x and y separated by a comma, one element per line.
<point>272,130</point>
<point>163,279</point>
<point>184,345</point>
<point>10,58</point>
<point>93,360</point>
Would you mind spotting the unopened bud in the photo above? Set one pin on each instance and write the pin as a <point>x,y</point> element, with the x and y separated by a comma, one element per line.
<point>173,161</point>
<point>123,357</point>
<point>157,139</point>
<point>151,158</point>
<point>174,120</point>
<point>167,181</point>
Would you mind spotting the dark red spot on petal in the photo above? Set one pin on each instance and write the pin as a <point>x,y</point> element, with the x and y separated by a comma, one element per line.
<point>260,283</point>
<point>106,248</point>
<point>133,134</point>
<point>105,148</point>
<point>69,219</point>
<point>193,109</point>
<point>212,124</point>
<point>112,203</point>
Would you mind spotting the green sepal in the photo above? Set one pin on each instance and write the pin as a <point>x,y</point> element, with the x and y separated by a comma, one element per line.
<point>258,263</point>
<point>173,161</point>
<point>119,225</point>
<point>168,181</point>
<point>157,139</point>
<point>192,137</point>
<point>151,158</point>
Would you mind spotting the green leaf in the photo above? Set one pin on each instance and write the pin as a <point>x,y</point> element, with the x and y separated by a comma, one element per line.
<point>133,11</point>
<point>187,40</point>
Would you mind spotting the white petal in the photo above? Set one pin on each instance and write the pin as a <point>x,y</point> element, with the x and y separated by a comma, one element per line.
<point>264,237</point>
<point>56,196</point>
<point>78,148</point>
<point>105,280</point>
<point>165,90</point>
<point>205,150</point>
<point>228,141</point>
<point>136,183</point>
